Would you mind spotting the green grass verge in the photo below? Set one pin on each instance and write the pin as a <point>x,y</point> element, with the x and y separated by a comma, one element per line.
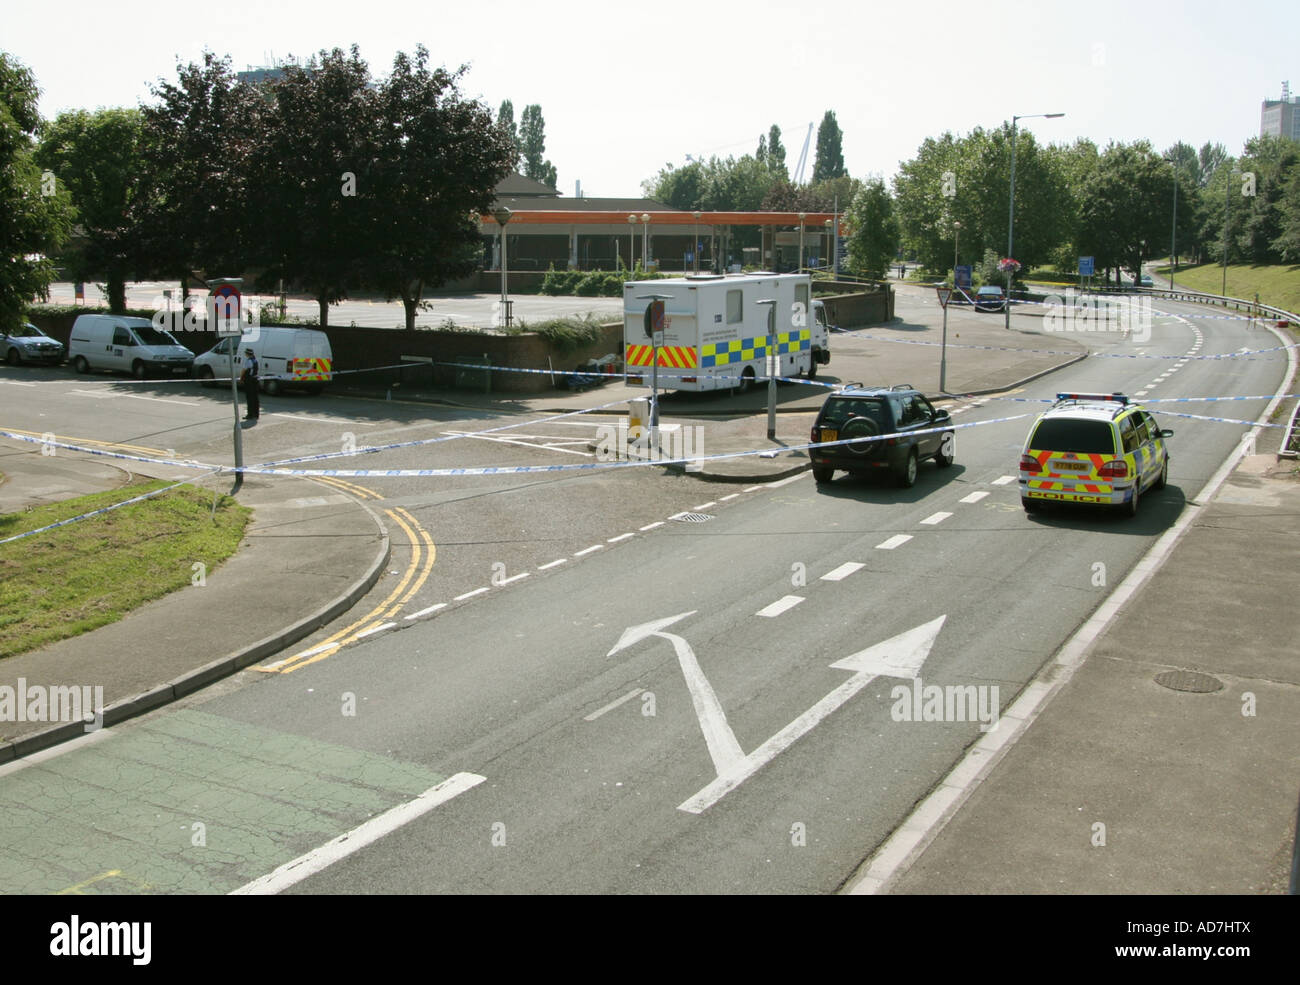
<point>1278,285</point>
<point>77,578</point>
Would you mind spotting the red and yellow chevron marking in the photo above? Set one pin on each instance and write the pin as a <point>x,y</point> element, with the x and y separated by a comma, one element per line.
<point>312,369</point>
<point>674,356</point>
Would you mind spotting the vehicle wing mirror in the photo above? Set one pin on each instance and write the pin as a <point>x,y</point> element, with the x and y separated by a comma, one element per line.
<point>1166,432</point>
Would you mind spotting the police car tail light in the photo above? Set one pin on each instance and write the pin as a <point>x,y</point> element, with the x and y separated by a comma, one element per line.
<point>1115,469</point>
<point>1030,464</point>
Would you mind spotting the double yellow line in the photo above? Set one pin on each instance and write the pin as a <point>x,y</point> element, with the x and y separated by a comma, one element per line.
<point>93,443</point>
<point>418,569</point>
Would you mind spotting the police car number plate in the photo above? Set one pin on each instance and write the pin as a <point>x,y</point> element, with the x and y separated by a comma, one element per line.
<point>1070,466</point>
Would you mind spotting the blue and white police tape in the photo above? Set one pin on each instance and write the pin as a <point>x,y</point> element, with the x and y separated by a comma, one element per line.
<point>1093,355</point>
<point>371,449</point>
<point>99,512</point>
<point>1144,400</point>
<point>509,469</point>
<point>641,372</point>
<point>1220,420</point>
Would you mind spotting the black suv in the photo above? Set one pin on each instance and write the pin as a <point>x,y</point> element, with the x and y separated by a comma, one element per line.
<point>868,412</point>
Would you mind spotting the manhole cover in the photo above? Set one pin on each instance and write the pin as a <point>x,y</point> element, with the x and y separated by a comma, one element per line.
<point>692,517</point>
<point>1189,680</point>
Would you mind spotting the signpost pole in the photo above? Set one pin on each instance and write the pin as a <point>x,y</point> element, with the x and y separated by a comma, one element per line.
<point>944,294</point>
<point>771,366</point>
<point>223,298</point>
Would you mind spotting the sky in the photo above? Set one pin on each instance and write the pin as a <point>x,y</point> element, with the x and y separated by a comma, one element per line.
<point>628,88</point>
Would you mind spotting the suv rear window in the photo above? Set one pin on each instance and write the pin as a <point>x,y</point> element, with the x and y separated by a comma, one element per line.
<point>840,409</point>
<point>1083,437</point>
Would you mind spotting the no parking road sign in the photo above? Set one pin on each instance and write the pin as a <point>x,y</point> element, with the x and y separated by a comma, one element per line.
<point>224,307</point>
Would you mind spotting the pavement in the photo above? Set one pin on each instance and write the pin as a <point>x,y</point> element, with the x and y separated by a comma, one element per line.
<point>1155,755</point>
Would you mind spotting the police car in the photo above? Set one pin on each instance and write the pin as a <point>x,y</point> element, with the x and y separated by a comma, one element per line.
<point>1095,448</point>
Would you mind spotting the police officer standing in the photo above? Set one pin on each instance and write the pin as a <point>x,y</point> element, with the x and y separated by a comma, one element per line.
<point>248,376</point>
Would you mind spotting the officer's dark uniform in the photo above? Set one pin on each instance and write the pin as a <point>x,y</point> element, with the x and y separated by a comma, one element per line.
<point>249,378</point>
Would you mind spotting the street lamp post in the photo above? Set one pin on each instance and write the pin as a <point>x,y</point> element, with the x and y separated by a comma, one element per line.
<point>631,243</point>
<point>502,216</point>
<point>1227,197</point>
<point>1011,206</point>
<point>802,216</point>
<point>645,240</point>
<point>1173,235</point>
<point>956,237</point>
<point>771,367</point>
<point>695,244</point>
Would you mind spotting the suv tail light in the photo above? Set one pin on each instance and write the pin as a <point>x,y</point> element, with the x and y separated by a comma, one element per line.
<point>1114,469</point>
<point>1030,464</point>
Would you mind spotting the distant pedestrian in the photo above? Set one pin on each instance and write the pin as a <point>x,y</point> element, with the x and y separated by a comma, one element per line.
<point>248,377</point>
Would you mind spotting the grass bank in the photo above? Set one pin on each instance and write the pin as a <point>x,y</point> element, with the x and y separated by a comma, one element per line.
<point>73,579</point>
<point>1278,285</point>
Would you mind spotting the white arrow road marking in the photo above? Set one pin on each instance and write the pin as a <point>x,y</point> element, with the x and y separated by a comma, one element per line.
<point>718,736</point>
<point>901,656</point>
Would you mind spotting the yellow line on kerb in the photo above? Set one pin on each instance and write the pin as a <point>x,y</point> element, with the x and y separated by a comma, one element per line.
<point>350,487</point>
<point>374,617</point>
<point>69,440</point>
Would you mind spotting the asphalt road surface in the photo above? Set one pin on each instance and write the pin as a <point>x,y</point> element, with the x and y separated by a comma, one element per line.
<point>695,707</point>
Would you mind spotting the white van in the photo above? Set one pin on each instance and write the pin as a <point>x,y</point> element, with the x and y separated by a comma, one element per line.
<point>286,358</point>
<point>127,345</point>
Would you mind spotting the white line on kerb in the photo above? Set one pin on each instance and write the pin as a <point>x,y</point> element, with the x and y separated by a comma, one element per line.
<point>974,497</point>
<point>359,837</point>
<point>375,629</point>
<point>895,541</point>
<point>613,704</point>
<point>705,506</point>
<point>469,595</point>
<point>425,612</point>
<point>556,563</point>
<point>779,606</point>
<point>588,550</point>
<point>723,499</point>
<point>651,526</point>
<point>934,518</point>
<point>843,571</point>
<point>751,489</point>
<point>615,540</point>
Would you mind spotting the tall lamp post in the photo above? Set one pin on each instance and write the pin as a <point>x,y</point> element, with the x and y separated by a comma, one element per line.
<point>1173,235</point>
<point>1227,197</point>
<point>956,237</point>
<point>772,368</point>
<point>695,244</point>
<point>502,216</point>
<point>802,216</point>
<point>631,243</point>
<point>645,240</point>
<point>1011,206</point>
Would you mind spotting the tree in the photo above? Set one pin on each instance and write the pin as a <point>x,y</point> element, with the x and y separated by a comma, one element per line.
<point>830,155</point>
<point>506,118</point>
<point>191,215</point>
<point>1267,162</point>
<point>439,159</point>
<point>1127,206</point>
<point>873,237</point>
<point>35,214</point>
<point>776,153</point>
<point>311,177</point>
<point>99,158</point>
<point>532,140</point>
<point>1287,243</point>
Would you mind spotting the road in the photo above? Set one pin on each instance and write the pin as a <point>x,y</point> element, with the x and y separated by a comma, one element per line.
<point>744,739</point>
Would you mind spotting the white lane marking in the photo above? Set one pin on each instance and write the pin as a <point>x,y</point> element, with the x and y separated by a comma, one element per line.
<point>359,837</point>
<point>469,595</point>
<point>843,571</point>
<point>98,394</point>
<point>163,400</point>
<point>651,526</point>
<point>704,506</point>
<point>588,550</point>
<point>425,612</point>
<point>974,497</point>
<point>512,441</point>
<point>553,564</point>
<point>613,704</point>
<point>507,581</point>
<point>934,518</point>
<point>779,606</point>
<point>615,540</point>
<point>752,489</point>
<point>375,629</point>
<point>895,541</point>
<point>1002,480</point>
<point>725,498</point>
<point>319,420</point>
<point>17,383</point>
<point>1140,393</point>
<point>785,482</point>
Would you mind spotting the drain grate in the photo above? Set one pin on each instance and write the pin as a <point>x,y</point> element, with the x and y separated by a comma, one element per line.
<point>1190,681</point>
<point>691,517</point>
